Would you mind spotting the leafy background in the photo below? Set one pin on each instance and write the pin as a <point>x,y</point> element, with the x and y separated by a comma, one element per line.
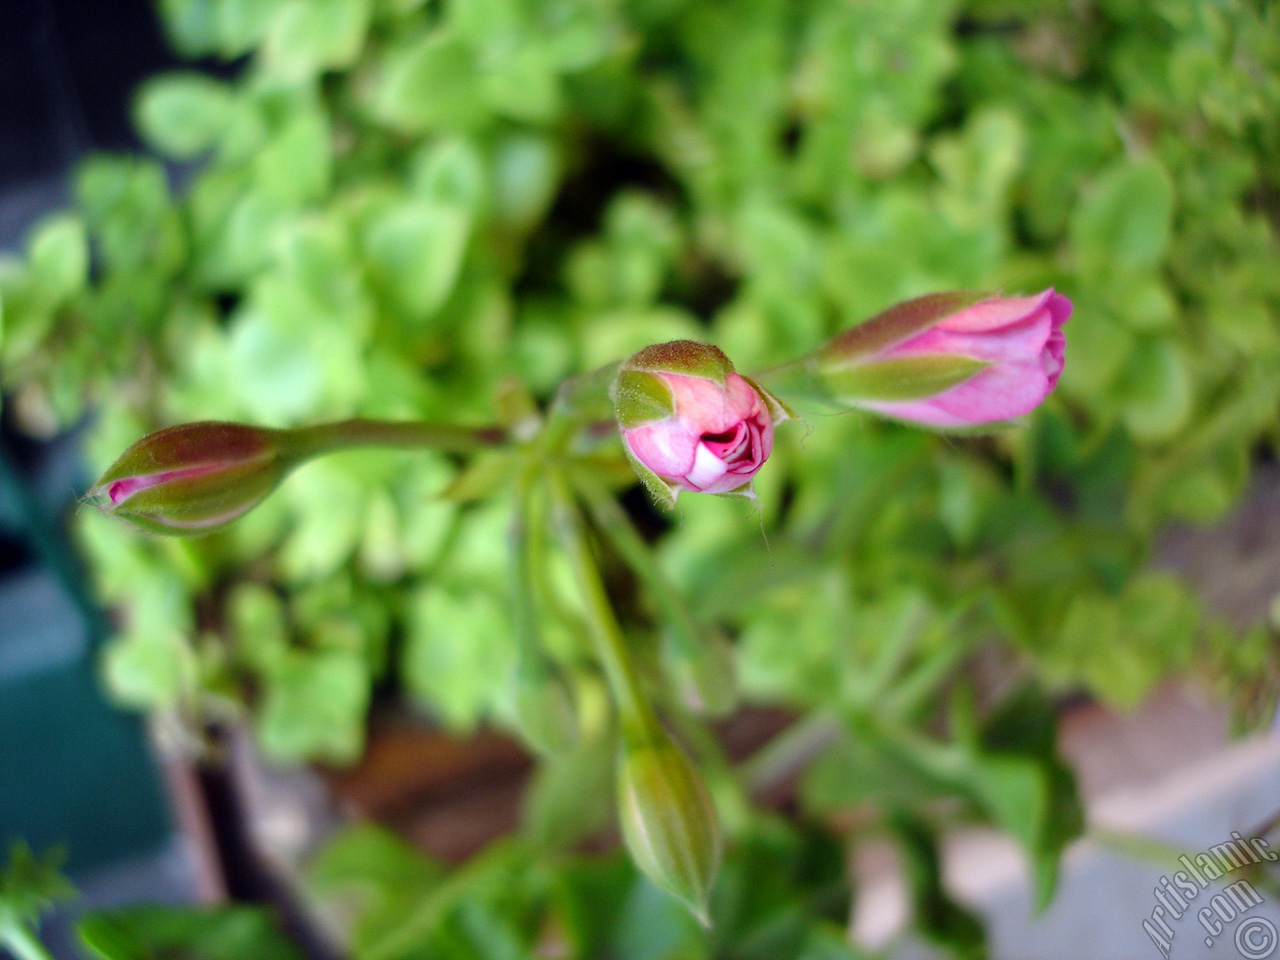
<point>397,205</point>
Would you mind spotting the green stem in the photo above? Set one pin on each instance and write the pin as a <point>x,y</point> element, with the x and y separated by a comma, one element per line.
<point>22,943</point>
<point>791,749</point>
<point>794,379</point>
<point>636,715</point>
<point>915,689</point>
<point>500,859</point>
<point>307,442</point>
<point>526,547</point>
<point>581,401</point>
<point>628,542</point>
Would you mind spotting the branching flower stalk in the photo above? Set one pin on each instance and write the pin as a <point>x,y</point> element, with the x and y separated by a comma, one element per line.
<point>688,422</point>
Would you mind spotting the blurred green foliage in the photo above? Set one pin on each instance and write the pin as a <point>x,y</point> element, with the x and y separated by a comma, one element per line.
<point>399,204</point>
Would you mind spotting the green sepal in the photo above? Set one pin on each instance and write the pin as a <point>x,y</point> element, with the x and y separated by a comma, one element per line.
<point>688,358</point>
<point>778,410</point>
<point>901,379</point>
<point>191,445</point>
<point>668,821</point>
<point>663,493</point>
<point>194,506</point>
<point>640,397</point>
<point>900,322</point>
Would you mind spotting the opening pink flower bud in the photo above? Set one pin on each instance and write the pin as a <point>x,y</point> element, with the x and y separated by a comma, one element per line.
<point>689,422</point>
<point>193,478</point>
<point>951,359</point>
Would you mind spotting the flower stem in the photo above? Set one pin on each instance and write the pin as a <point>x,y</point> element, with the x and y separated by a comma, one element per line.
<point>542,705</point>
<point>305,442</point>
<point>22,943</point>
<point>634,711</point>
<point>623,535</point>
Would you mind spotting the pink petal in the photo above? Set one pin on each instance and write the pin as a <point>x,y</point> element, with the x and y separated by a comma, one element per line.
<point>1021,340</point>
<point>998,393</point>
<point>667,448</point>
<point>995,313</point>
<point>706,470</point>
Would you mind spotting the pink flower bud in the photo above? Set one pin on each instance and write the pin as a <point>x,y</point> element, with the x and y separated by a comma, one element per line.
<point>689,422</point>
<point>951,359</point>
<point>193,478</point>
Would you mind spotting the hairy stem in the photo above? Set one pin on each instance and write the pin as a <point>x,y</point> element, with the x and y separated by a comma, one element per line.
<point>627,541</point>
<point>410,435</point>
<point>22,943</point>
<point>634,711</point>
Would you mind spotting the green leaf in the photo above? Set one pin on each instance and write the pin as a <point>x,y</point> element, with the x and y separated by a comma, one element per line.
<point>451,172</point>
<point>942,920</point>
<point>259,625</point>
<point>1123,223</point>
<point>58,260</point>
<point>241,24</point>
<point>432,84</point>
<point>571,796</point>
<point>1156,390</point>
<point>1014,792</point>
<point>147,668</point>
<point>523,85</point>
<point>295,166</point>
<point>416,251</point>
<point>308,36</point>
<point>373,875</point>
<point>978,165</point>
<point>459,646</point>
<point>191,25</point>
<point>526,170</point>
<point>183,114</point>
<point>30,885</point>
<point>192,933</point>
<point>314,707</point>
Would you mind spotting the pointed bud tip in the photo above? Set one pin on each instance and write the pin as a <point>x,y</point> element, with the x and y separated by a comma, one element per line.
<point>192,478</point>
<point>668,822</point>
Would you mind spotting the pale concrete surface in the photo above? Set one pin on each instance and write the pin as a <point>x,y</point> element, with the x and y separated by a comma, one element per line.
<point>1164,775</point>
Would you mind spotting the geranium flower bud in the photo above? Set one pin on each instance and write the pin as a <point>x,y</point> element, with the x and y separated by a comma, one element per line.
<point>689,422</point>
<point>668,821</point>
<point>950,359</point>
<point>193,478</point>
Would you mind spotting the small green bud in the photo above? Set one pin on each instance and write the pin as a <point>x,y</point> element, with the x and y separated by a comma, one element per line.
<point>668,821</point>
<point>193,478</point>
